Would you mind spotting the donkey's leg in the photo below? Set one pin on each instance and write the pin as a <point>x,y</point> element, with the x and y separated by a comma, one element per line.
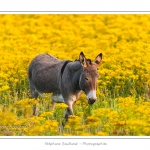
<point>69,110</point>
<point>34,94</point>
<point>33,91</point>
<point>53,104</point>
<point>35,110</point>
<point>56,98</point>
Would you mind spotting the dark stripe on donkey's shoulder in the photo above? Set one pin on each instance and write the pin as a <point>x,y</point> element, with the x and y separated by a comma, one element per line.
<point>63,67</point>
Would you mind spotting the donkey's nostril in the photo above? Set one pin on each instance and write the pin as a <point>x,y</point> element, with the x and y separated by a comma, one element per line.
<point>91,100</point>
<point>91,96</point>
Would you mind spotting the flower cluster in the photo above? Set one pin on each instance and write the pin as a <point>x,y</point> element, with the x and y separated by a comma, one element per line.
<point>123,91</point>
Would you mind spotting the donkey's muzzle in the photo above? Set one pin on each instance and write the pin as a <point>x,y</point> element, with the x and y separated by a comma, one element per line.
<point>91,96</point>
<point>91,101</point>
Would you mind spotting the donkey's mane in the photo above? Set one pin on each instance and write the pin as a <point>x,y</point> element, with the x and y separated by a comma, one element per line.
<point>88,60</point>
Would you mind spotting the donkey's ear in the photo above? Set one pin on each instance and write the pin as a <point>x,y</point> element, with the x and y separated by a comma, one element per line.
<point>83,60</point>
<point>98,59</point>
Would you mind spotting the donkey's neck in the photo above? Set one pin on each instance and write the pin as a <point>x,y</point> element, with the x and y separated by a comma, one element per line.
<point>76,69</point>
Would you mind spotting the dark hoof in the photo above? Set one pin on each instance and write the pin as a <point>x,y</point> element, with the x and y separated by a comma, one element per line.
<point>64,121</point>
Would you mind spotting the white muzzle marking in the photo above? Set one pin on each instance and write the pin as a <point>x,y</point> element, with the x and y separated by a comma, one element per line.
<point>92,95</point>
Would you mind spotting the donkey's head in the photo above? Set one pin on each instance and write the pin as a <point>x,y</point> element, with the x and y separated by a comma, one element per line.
<point>89,76</point>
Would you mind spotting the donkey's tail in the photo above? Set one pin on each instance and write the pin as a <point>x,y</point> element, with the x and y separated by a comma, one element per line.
<point>29,73</point>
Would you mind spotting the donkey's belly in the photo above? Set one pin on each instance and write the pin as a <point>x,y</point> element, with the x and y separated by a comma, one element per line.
<point>58,98</point>
<point>47,87</point>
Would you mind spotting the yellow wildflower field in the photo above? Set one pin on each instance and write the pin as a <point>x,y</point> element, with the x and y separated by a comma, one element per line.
<point>123,91</point>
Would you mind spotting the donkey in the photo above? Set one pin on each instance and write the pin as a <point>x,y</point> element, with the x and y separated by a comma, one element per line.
<point>64,79</point>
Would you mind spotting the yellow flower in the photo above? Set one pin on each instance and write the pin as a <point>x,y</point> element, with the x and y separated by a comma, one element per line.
<point>102,133</point>
<point>123,90</point>
<point>4,88</point>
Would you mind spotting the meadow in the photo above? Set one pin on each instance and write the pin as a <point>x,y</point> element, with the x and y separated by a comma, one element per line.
<point>123,91</point>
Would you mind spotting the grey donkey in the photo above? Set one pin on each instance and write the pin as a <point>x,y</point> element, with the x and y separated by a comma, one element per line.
<point>66,80</point>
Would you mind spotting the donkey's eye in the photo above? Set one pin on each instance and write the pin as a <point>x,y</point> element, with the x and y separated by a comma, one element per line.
<point>86,79</point>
